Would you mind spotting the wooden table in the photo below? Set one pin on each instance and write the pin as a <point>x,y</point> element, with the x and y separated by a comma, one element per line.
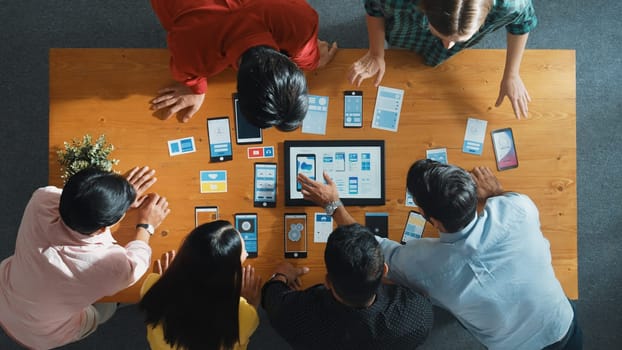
<point>106,91</point>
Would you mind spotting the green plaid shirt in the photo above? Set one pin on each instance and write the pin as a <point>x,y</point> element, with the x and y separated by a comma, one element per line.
<point>407,27</point>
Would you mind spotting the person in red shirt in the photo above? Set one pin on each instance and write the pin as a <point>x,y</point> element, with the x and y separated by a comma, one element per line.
<point>268,41</point>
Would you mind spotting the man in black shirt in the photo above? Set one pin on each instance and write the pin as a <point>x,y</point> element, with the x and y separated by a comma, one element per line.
<point>353,309</point>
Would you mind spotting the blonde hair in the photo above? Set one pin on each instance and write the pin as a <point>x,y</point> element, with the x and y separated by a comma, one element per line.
<point>456,17</point>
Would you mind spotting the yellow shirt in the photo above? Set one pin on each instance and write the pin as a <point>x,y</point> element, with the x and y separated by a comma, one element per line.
<point>247,317</point>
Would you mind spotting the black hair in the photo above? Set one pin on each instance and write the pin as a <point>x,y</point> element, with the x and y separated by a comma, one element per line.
<point>93,199</point>
<point>444,192</point>
<point>272,89</point>
<point>196,301</point>
<point>354,264</point>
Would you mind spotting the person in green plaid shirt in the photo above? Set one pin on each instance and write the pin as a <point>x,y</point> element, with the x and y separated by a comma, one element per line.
<point>438,29</point>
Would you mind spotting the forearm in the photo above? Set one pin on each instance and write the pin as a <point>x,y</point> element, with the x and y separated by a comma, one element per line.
<point>342,217</point>
<point>375,32</point>
<point>142,235</point>
<point>514,53</point>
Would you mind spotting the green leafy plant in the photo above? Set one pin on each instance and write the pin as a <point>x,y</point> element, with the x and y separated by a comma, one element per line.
<point>81,154</point>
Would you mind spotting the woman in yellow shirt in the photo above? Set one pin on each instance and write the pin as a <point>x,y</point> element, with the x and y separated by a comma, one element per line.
<point>200,301</point>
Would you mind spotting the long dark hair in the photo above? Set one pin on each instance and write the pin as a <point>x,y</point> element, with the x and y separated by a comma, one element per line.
<point>196,300</point>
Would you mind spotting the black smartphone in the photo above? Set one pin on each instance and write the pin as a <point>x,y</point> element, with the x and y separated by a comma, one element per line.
<point>265,185</point>
<point>246,224</point>
<point>295,226</point>
<point>378,223</point>
<point>245,131</point>
<point>413,229</point>
<point>353,109</point>
<point>505,149</point>
<point>204,215</point>
<point>305,164</point>
<point>219,135</point>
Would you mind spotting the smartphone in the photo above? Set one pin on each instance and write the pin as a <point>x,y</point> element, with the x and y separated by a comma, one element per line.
<point>295,235</point>
<point>204,215</point>
<point>305,164</point>
<point>505,149</point>
<point>219,139</point>
<point>245,131</point>
<point>246,224</point>
<point>265,185</point>
<point>378,223</point>
<point>413,229</point>
<point>353,109</point>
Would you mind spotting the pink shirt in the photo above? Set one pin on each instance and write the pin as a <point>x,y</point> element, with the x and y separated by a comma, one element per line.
<point>56,273</point>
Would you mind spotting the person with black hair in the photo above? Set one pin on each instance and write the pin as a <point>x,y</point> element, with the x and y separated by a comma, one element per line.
<point>269,41</point>
<point>66,258</point>
<point>198,298</point>
<point>492,271</point>
<point>353,309</point>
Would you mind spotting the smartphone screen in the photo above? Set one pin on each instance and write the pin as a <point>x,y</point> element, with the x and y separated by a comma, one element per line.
<point>352,109</point>
<point>505,149</point>
<point>246,224</point>
<point>413,229</point>
<point>245,131</point>
<point>340,161</point>
<point>295,235</point>
<point>204,215</point>
<point>305,164</point>
<point>219,139</point>
<point>265,185</point>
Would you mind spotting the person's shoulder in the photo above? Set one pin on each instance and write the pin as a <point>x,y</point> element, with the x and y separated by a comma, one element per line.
<point>46,194</point>
<point>149,281</point>
<point>248,320</point>
<point>512,5</point>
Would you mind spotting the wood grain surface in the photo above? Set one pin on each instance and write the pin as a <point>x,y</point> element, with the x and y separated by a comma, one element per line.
<point>107,91</point>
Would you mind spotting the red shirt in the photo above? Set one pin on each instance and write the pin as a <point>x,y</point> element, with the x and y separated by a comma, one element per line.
<point>207,36</point>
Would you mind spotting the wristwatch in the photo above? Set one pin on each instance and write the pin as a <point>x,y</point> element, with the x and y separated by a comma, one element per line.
<point>148,227</point>
<point>332,206</point>
<point>277,274</point>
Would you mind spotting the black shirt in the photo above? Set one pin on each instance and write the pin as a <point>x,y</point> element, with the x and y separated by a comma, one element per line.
<point>312,319</point>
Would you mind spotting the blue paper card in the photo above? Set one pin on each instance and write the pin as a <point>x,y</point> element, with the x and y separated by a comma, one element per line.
<point>315,120</point>
<point>437,154</point>
<point>181,146</point>
<point>213,181</point>
<point>474,136</point>
<point>388,108</point>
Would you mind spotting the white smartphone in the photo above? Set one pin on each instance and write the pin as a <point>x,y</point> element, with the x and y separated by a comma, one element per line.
<point>219,139</point>
<point>265,185</point>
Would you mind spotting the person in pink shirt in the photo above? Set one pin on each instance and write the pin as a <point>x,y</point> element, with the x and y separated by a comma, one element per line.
<point>66,258</point>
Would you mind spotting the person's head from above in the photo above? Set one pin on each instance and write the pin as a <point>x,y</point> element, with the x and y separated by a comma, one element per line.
<point>272,89</point>
<point>354,265</point>
<point>196,300</point>
<point>455,21</point>
<point>93,200</point>
<point>446,194</point>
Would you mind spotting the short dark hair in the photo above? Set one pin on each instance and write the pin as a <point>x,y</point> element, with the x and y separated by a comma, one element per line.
<point>444,192</point>
<point>272,89</point>
<point>354,263</point>
<point>93,199</point>
<point>196,301</point>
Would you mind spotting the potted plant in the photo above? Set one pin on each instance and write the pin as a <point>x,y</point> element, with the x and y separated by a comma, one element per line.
<point>81,154</point>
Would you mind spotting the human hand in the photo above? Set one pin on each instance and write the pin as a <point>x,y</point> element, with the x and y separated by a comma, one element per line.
<point>366,67</point>
<point>487,183</point>
<point>162,264</point>
<point>251,286</point>
<point>153,210</point>
<point>512,86</point>
<point>327,52</point>
<point>293,273</point>
<point>177,99</point>
<point>141,179</point>
<point>317,192</point>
